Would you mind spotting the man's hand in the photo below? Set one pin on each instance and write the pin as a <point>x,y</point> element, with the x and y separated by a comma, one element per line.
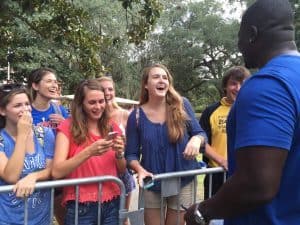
<point>189,216</point>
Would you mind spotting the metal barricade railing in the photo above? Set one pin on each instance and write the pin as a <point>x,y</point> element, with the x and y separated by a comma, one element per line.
<point>170,186</point>
<point>75,182</point>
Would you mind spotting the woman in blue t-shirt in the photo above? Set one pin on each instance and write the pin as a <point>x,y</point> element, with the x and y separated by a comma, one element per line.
<point>43,87</point>
<point>25,158</point>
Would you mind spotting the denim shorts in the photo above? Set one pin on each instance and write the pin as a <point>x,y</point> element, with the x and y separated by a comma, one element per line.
<point>88,213</point>
<point>128,181</point>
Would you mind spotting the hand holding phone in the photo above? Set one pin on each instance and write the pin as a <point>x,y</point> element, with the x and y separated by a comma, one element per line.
<point>148,182</point>
<point>112,135</point>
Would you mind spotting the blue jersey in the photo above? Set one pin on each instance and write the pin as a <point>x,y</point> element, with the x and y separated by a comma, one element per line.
<point>11,207</point>
<point>41,118</point>
<point>267,113</point>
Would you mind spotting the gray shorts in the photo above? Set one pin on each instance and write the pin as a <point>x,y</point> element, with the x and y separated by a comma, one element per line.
<point>186,195</point>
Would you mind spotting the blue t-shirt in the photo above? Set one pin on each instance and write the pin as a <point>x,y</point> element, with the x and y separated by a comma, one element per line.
<point>267,113</point>
<point>41,118</point>
<point>151,141</point>
<point>11,207</point>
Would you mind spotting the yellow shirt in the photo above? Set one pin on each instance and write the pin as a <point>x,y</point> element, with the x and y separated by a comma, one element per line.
<point>218,121</point>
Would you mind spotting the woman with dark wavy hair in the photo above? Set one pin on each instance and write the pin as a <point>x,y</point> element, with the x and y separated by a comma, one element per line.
<point>43,88</point>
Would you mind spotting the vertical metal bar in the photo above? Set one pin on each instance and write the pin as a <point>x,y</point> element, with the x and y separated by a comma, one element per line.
<point>195,188</point>
<point>25,211</point>
<point>209,185</point>
<point>224,178</point>
<point>162,214</point>
<point>141,198</point>
<point>52,206</point>
<point>99,203</point>
<point>76,204</point>
<point>178,200</point>
<point>122,208</point>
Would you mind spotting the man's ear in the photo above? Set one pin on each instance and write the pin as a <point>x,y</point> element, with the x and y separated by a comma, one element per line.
<point>253,34</point>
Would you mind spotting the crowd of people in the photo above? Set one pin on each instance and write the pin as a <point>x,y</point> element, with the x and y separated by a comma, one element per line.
<point>252,132</point>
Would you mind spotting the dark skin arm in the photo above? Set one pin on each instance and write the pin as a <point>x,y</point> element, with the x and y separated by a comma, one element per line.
<point>255,182</point>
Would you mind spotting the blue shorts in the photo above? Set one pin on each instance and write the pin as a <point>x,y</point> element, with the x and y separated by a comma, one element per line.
<point>128,181</point>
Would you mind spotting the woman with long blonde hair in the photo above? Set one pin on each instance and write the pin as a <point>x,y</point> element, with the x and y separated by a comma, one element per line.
<point>165,132</point>
<point>120,116</point>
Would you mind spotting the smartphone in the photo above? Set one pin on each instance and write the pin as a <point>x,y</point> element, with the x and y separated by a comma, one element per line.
<point>148,182</point>
<point>112,135</point>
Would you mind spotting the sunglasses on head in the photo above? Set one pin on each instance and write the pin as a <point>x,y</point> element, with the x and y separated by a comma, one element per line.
<point>10,87</point>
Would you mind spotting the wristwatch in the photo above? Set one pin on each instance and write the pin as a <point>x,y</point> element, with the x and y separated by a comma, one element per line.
<point>119,155</point>
<point>198,216</point>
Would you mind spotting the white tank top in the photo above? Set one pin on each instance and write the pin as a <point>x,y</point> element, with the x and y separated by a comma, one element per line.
<point>121,126</point>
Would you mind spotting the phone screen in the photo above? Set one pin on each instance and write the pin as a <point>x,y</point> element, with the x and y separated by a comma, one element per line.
<point>111,135</point>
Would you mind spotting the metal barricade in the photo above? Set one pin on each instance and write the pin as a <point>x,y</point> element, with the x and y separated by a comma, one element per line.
<point>170,186</point>
<point>75,182</point>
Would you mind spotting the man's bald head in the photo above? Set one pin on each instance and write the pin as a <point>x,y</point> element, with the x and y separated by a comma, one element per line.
<point>266,27</point>
<point>270,16</point>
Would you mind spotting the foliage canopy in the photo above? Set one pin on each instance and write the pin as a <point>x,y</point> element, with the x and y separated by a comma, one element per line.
<point>82,39</point>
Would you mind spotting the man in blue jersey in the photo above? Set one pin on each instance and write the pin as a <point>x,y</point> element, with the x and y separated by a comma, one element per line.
<point>263,127</point>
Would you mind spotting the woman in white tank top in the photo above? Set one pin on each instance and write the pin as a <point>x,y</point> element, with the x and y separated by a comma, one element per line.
<point>120,116</point>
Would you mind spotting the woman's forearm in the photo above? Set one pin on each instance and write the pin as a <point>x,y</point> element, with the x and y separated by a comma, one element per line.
<point>63,168</point>
<point>136,166</point>
<point>211,153</point>
<point>121,163</point>
<point>44,174</point>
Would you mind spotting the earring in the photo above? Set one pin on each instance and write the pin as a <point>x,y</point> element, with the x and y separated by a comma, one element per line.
<point>251,40</point>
